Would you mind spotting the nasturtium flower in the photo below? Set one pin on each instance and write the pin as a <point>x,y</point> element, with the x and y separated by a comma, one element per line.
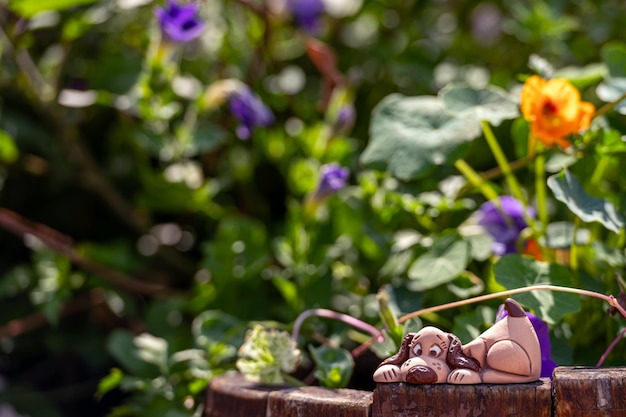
<point>543,334</point>
<point>249,110</point>
<point>333,177</point>
<point>180,22</point>
<point>554,110</point>
<point>504,223</point>
<point>266,354</point>
<point>307,13</point>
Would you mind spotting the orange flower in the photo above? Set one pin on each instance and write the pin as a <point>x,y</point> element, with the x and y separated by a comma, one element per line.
<point>554,110</point>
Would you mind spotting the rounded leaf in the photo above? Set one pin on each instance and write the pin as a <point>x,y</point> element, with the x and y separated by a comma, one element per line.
<point>568,190</point>
<point>489,104</point>
<point>515,271</point>
<point>410,136</point>
<point>443,262</point>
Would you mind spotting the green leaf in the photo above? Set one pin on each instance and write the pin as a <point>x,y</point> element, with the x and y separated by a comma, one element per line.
<point>567,189</point>
<point>213,326</point>
<point>559,161</point>
<point>560,235</point>
<point>614,57</point>
<point>410,136</point>
<point>123,349</point>
<point>489,104</point>
<point>582,77</point>
<point>468,326</point>
<point>479,241</point>
<point>515,271</point>
<point>289,290</point>
<point>109,382</point>
<point>8,150</point>
<point>443,262</point>
<point>29,8</point>
<point>611,90</point>
<point>612,143</point>
<point>334,366</point>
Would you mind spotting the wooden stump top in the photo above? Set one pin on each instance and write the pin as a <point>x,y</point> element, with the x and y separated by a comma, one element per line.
<point>590,392</point>
<point>573,392</point>
<point>234,396</point>
<point>446,400</point>
<point>319,402</point>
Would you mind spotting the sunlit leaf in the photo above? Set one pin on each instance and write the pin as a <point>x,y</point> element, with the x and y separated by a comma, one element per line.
<point>410,136</point>
<point>561,235</point>
<point>614,86</point>
<point>29,8</point>
<point>110,382</point>
<point>123,349</point>
<point>584,76</point>
<point>567,189</point>
<point>489,104</point>
<point>515,271</point>
<point>8,150</point>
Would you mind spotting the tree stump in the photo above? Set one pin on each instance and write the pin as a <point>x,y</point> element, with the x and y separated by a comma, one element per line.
<point>445,400</point>
<point>234,396</point>
<point>574,392</point>
<point>589,392</point>
<point>319,402</point>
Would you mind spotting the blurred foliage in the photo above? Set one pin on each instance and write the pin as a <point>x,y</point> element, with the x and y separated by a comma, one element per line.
<point>141,238</point>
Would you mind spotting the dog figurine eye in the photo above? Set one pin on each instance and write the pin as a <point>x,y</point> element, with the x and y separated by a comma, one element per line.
<point>434,350</point>
<point>417,349</point>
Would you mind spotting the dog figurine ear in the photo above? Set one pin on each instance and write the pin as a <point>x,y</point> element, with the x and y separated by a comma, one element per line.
<point>402,355</point>
<point>456,359</point>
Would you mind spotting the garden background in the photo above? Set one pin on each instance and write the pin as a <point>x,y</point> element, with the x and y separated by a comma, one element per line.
<point>146,221</point>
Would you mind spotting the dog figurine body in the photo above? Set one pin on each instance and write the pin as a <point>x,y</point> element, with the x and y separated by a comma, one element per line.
<point>507,352</point>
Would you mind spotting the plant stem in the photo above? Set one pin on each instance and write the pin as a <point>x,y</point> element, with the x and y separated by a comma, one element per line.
<point>503,162</point>
<point>608,298</point>
<point>476,180</point>
<point>610,348</point>
<point>293,381</point>
<point>63,245</point>
<point>599,171</point>
<point>322,312</point>
<point>540,191</point>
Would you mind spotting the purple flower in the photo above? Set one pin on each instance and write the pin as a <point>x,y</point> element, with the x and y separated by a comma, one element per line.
<point>250,111</point>
<point>307,13</point>
<point>180,21</point>
<point>332,179</point>
<point>504,223</point>
<point>543,334</point>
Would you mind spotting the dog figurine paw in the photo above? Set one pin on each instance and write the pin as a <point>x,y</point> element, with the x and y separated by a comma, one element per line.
<point>507,352</point>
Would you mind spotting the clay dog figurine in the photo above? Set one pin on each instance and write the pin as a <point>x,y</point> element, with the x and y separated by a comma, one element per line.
<point>507,352</point>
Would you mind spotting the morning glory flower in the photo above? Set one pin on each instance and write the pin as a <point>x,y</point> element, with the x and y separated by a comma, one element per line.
<point>180,22</point>
<point>307,13</point>
<point>250,111</point>
<point>504,224</point>
<point>543,334</point>
<point>266,354</point>
<point>345,119</point>
<point>333,177</point>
